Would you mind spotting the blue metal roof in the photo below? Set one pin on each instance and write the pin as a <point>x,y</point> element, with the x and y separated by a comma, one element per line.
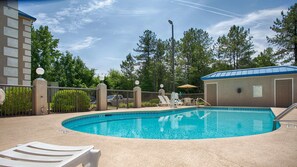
<point>251,72</point>
<point>26,15</point>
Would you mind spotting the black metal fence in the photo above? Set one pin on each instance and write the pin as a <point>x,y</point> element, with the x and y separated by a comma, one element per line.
<point>191,95</point>
<point>149,99</point>
<point>67,99</point>
<point>18,101</point>
<point>120,99</point>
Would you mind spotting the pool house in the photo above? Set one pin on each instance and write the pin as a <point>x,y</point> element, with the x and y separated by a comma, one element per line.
<point>273,86</point>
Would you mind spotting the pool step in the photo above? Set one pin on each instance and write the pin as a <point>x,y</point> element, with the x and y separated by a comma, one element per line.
<point>289,123</point>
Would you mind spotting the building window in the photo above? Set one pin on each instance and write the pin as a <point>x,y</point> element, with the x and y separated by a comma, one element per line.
<point>257,91</point>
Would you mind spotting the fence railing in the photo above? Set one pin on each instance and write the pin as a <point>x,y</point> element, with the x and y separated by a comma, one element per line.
<point>69,99</point>
<point>18,101</point>
<point>191,95</point>
<point>149,99</point>
<point>119,99</point>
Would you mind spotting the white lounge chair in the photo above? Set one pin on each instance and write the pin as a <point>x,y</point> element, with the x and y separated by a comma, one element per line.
<point>163,102</point>
<point>37,154</point>
<point>177,101</point>
<point>167,99</point>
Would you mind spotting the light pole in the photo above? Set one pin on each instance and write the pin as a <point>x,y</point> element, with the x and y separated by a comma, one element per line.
<point>136,82</point>
<point>39,71</point>
<point>101,78</point>
<point>172,45</point>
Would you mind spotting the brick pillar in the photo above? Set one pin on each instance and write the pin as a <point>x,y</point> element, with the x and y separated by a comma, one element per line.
<point>40,96</point>
<point>137,96</point>
<point>101,97</point>
<point>162,92</point>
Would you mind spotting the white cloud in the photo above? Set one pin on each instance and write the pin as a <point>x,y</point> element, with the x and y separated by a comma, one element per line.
<point>53,23</point>
<point>64,12</point>
<point>259,23</point>
<point>73,17</point>
<point>94,5</point>
<point>114,58</point>
<point>137,12</point>
<point>255,19</point>
<point>86,43</point>
<point>84,9</point>
<point>87,20</point>
<point>207,8</point>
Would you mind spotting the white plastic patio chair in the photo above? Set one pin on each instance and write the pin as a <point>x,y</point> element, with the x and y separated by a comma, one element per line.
<point>37,154</point>
<point>167,99</point>
<point>163,102</point>
<point>176,101</point>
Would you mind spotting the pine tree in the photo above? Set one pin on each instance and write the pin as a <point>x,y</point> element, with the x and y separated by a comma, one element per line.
<point>286,35</point>
<point>128,69</point>
<point>146,49</point>
<point>236,47</point>
<point>195,56</point>
<point>265,58</point>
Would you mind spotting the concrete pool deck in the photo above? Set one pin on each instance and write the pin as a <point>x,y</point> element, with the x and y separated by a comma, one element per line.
<point>277,148</point>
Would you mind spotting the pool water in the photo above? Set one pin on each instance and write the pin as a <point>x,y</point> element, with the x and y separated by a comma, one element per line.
<point>190,123</point>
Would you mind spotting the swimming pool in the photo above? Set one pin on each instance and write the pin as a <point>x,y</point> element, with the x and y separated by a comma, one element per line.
<point>181,124</point>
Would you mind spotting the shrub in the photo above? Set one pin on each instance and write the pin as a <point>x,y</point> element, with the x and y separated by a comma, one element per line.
<point>151,103</point>
<point>155,101</point>
<point>143,104</point>
<point>148,104</point>
<point>124,105</point>
<point>18,101</point>
<point>70,101</point>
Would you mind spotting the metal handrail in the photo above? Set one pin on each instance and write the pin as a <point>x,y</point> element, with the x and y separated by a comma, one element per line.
<point>282,114</point>
<point>199,98</point>
<point>69,88</point>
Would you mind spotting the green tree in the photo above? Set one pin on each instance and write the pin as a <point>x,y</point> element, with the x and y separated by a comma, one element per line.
<point>236,47</point>
<point>195,56</point>
<point>72,72</point>
<point>286,35</point>
<point>146,47</point>
<point>128,69</point>
<point>220,65</point>
<point>167,62</point>
<point>159,64</point>
<point>265,58</point>
<point>84,76</point>
<point>116,80</point>
<point>63,68</point>
<point>44,52</point>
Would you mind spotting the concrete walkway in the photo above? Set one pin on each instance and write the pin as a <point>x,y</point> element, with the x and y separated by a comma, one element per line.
<point>278,148</point>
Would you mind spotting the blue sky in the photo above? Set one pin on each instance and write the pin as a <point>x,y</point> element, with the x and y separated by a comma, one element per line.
<point>104,32</point>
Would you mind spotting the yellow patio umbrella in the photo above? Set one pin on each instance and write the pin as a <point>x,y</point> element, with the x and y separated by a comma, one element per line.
<point>187,86</point>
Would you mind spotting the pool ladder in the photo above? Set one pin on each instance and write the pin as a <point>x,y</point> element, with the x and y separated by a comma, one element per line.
<point>205,102</point>
<point>282,114</point>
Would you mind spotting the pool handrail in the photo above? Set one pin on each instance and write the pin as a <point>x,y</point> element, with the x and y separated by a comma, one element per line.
<point>199,98</point>
<point>282,114</point>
